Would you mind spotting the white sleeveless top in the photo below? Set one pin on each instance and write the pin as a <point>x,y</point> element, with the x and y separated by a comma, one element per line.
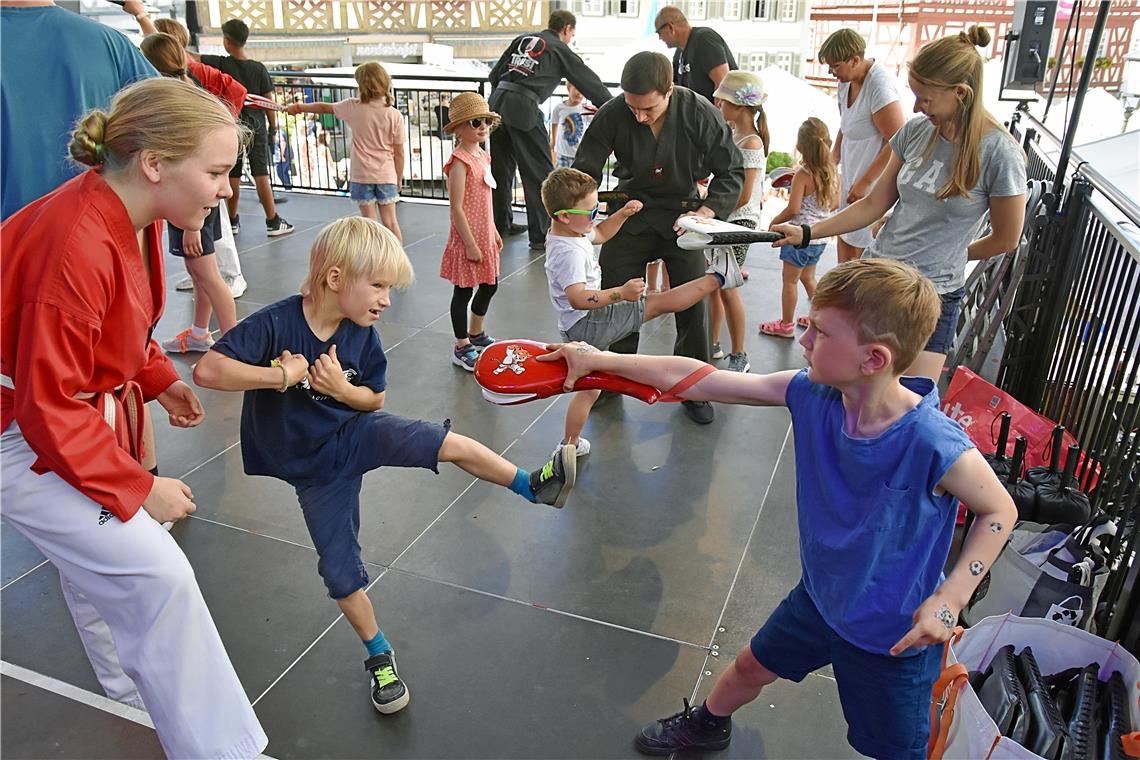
<point>753,159</point>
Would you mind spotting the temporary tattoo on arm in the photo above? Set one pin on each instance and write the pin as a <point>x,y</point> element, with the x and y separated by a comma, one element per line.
<point>615,296</point>
<point>976,567</point>
<point>586,348</point>
<point>996,527</point>
<point>593,298</point>
<point>945,616</point>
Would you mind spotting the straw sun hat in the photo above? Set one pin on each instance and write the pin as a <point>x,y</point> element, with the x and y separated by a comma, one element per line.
<point>742,88</point>
<point>467,106</point>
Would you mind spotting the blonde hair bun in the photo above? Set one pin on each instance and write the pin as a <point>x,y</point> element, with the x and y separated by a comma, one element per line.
<point>978,36</point>
<point>86,145</point>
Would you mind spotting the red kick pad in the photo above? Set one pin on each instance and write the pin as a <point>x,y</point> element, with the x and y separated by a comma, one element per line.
<point>509,373</point>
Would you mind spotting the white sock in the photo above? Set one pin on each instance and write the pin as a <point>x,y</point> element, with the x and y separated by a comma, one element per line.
<point>199,332</point>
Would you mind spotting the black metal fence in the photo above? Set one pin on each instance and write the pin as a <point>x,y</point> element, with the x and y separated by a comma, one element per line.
<point>312,152</point>
<point>1073,346</point>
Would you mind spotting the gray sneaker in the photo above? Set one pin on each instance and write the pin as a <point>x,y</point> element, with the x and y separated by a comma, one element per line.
<point>185,286</point>
<point>553,482</point>
<point>738,362</point>
<point>723,262</point>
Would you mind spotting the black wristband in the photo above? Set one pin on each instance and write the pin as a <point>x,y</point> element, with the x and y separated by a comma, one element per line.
<point>806,229</point>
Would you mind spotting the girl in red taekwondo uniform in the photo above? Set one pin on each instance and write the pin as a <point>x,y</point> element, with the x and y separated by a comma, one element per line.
<point>82,287</point>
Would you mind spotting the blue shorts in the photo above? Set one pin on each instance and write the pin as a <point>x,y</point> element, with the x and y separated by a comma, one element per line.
<point>943,337</point>
<point>332,507</point>
<point>802,257</point>
<point>886,700</point>
<point>365,192</point>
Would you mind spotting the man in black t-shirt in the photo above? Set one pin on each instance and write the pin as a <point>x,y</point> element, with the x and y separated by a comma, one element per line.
<point>700,56</point>
<point>255,77</point>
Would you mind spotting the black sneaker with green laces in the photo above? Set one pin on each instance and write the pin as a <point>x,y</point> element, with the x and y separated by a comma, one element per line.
<point>682,731</point>
<point>389,694</point>
<point>552,484</point>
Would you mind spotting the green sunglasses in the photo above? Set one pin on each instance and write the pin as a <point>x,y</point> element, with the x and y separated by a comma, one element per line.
<point>593,213</point>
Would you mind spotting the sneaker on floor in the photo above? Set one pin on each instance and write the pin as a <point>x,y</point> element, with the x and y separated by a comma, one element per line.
<point>682,731</point>
<point>552,484</point>
<point>738,362</point>
<point>277,226</point>
<point>235,224</point>
<point>480,341</point>
<point>717,351</point>
<point>185,342</point>
<point>237,286</point>
<point>700,412</point>
<point>581,450</point>
<point>516,229</point>
<point>465,357</point>
<point>389,693</point>
<point>185,285</point>
<point>778,328</point>
<point>723,262</point>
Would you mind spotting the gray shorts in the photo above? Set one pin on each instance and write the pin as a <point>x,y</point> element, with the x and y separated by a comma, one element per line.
<point>609,324</point>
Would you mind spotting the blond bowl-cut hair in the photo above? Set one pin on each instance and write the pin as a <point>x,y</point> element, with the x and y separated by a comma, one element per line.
<point>167,116</point>
<point>842,45</point>
<point>360,248</point>
<point>888,301</point>
<point>565,188</point>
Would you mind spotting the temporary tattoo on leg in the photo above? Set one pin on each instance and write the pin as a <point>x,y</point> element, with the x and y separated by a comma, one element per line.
<point>945,616</point>
<point>996,527</point>
<point>976,567</point>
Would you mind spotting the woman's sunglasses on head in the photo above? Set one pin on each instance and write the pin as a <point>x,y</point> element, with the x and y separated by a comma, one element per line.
<point>581,211</point>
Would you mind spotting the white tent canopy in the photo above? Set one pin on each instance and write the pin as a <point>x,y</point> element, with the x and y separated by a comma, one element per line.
<point>791,100</point>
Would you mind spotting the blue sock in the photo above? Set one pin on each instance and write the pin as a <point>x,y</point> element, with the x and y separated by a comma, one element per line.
<point>377,645</point>
<point>719,278</point>
<point>521,485</point>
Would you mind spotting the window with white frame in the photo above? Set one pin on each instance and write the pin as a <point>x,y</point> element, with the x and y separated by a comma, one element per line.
<point>696,9</point>
<point>731,10</point>
<point>789,10</point>
<point>757,61</point>
<point>758,10</point>
<point>625,8</point>
<point>593,7</point>
<point>784,61</point>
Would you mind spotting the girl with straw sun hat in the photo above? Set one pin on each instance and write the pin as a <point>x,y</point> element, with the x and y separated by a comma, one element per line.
<point>471,256</point>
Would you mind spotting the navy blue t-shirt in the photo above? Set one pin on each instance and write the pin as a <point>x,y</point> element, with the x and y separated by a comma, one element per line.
<point>293,435</point>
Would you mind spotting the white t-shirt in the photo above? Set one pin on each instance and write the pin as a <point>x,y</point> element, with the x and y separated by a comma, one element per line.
<point>570,260</point>
<point>571,122</point>
<point>861,138</point>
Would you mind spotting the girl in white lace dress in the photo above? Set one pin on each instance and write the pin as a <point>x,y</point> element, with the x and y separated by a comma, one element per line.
<point>740,97</point>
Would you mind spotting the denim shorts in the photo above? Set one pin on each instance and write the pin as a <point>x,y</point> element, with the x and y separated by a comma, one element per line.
<point>943,337</point>
<point>609,324</point>
<point>886,700</point>
<point>802,257</point>
<point>366,192</point>
<point>332,507</point>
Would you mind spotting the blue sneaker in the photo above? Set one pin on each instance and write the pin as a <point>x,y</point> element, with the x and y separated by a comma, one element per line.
<point>465,357</point>
<point>480,341</point>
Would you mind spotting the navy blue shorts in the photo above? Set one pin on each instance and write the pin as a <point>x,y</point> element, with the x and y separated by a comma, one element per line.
<point>943,337</point>
<point>211,231</point>
<point>332,508</point>
<point>886,700</point>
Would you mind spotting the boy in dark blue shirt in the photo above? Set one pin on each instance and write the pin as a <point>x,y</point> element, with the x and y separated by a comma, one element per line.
<point>318,427</point>
<point>879,472</point>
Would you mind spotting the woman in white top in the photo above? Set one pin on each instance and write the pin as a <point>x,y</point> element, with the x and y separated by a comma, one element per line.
<point>869,116</point>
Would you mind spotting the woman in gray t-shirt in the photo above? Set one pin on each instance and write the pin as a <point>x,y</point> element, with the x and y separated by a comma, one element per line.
<point>945,171</point>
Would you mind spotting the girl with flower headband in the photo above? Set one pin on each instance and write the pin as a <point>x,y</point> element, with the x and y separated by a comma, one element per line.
<point>740,97</point>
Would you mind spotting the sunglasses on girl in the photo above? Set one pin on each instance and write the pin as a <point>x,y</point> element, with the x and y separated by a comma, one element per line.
<point>479,122</point>
<point>581,211</point>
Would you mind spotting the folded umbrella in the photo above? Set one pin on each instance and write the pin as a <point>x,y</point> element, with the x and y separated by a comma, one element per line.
<point>1022,492</point>
<point>1060,500</point>
<point>1051,472</point>
<point>999,462</point>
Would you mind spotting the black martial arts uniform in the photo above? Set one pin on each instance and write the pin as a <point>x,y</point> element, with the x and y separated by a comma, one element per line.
<point>695,142</point>
<point>523,79</point>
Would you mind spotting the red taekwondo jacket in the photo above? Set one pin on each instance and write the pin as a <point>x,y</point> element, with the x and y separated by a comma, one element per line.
<point>77,314</point>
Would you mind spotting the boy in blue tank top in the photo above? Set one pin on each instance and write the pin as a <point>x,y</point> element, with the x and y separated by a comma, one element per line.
<point>879,473</point>
<point>314,376</point>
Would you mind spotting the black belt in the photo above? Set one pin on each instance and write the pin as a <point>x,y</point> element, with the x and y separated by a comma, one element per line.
<point>619,198</point>
<point>512,87</point>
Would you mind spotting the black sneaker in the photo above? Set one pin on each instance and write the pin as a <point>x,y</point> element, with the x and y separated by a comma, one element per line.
<point>553,483</point>
<point>235,225</point>
<point>682,731</point>
<point>516,229</point>
<point>700,412</point>
<point>389,694</point>
<point>277,226</point>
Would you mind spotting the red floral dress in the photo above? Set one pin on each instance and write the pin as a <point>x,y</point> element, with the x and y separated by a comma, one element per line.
<point>455,267</point>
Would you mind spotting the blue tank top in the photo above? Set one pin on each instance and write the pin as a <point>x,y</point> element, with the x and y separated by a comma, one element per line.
<point>873,535</point>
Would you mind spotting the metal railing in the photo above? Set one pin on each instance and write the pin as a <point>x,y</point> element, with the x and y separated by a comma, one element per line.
<point>312,152</point>
<point>1073,342</point>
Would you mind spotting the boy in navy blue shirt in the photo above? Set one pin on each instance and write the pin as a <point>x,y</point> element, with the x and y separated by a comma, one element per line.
<point>313,372</point>
<point>879,472</point>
